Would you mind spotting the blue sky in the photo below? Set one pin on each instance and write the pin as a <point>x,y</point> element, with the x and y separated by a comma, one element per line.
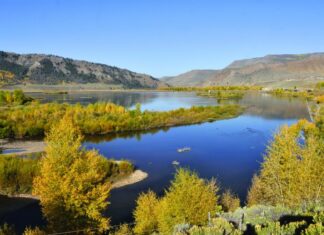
<point>162,37</point>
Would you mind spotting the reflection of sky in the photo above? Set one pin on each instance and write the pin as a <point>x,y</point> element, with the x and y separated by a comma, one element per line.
<point>256,104</point>
<point>230,150</point>
<point>169,103</point>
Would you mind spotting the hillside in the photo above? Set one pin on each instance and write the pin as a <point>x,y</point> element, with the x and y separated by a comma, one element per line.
<point>191,78</point>
<point>55,70</point>
<point>268,71</point>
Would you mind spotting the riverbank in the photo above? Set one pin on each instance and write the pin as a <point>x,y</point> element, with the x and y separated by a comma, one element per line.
<point>21,147</point>
<point>73,88</point>
<point>135,177</point>
<point>9,204</point>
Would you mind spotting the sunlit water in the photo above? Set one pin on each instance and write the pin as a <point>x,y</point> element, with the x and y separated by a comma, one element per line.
<point>229,150</point>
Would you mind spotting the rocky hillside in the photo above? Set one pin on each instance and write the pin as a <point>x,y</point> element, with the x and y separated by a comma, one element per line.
<point>53,70</point>
<point>268,71</point>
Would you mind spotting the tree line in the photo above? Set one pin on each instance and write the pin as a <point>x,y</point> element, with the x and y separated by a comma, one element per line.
<point>34,120</point>
<point>16,97</point>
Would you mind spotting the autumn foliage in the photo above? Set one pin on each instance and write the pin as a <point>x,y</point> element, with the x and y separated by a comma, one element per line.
<point>73,185</point>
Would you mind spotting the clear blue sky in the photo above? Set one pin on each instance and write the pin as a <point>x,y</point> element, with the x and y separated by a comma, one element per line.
<point>162,37</point>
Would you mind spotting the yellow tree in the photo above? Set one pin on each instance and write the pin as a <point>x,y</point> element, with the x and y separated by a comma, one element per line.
<point>188,200</point>
<point>72,186</point>
<point>145,213</point>
<point>229,201</point>
<point>292,173</point>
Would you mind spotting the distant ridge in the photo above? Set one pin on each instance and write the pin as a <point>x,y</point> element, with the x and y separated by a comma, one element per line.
<point>191,78</point>
<point>53,70</point>
<point>270,71</point>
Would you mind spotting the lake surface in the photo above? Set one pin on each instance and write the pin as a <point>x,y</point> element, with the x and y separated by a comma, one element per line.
<point>228,150</point>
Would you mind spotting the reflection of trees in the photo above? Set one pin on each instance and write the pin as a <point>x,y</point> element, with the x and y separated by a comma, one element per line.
<point>125,135</point>
<point>256,103</point>
<point>268,106</point>
<point>128,99</point>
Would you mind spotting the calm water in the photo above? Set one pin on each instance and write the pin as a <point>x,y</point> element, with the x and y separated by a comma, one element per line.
<point>228,150</point>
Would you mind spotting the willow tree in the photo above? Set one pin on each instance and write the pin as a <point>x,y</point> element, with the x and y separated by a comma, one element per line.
<point>292,173</point>
<point>72,185</point>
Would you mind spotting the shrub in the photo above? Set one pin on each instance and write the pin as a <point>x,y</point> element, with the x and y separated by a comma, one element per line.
<point>229,202</point>
<point>6,229</point>
<point>17,174</point>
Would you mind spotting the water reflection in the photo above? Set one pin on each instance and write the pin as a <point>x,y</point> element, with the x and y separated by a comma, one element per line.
<point>230,150</point>
<point>256,103</point>
<point>268,106</point>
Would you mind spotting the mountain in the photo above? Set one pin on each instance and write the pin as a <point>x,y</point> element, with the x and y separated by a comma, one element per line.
<point>53,70</point>
<point>268,71</point>
<point>191,78</point>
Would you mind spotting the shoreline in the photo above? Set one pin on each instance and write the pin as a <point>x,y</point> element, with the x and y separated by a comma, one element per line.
<point>21,147</point>
<point>75,88</point>
<point>135,177</point>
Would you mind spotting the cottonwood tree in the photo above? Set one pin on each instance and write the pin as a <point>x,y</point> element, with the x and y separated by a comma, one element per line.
<point>292,173</point>
<point>72,186</point>
<point>189,199</point>
<point>145,213</point>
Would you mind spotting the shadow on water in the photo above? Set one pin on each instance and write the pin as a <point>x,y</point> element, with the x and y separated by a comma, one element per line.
<point>20,212</point>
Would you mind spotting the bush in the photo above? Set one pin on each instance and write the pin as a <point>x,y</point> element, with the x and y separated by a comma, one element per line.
<point>17,174</point>
<point>123,229</point>
<point>218,226</point>
<point>229,202</point>
<point>275,228</point>
<point>6,229</point>
<point>34,231</point>
<point>16,97</point>
<point>314,229</point>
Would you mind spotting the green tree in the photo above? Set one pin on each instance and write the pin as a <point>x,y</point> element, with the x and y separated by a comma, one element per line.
<point>72,186</point>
